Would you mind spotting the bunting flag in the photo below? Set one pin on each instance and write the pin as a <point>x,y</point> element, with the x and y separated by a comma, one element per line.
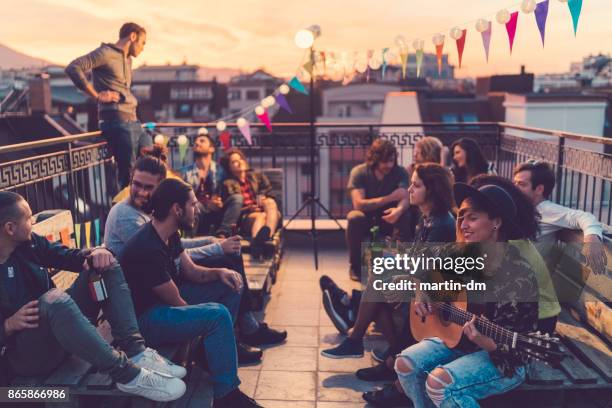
<point>88,234</point>
<point>265,119</point>
<point>308,67</point>
<point>404,57</point>
<point>226,139</point>
<point>77,234</point>
<point>97,231</point>
<point>183,147</point>
<point>419,60</point>
<point>541,14</point>
<point>50,237</point>
<point>439,49</point>
<point>384,61</point>
<point>283,103</point>
<point>511,28</point>
<point>297,85</point>
<point>65,237</point>
<point>246,132</point>
<point>461,45</point>
<point>575,7</point>
<point>149,125</point>
<point>486,39</point>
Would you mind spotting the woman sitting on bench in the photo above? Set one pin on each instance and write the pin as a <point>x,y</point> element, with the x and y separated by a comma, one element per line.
<point>260,212</point>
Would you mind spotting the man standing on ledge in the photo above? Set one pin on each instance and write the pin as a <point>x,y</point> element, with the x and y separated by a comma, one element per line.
<point>111,65</point>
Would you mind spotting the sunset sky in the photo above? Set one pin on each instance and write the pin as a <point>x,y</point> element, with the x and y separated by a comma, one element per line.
<point>249,34</point>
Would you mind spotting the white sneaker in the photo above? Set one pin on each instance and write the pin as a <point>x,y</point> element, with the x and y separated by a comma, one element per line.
<point>154,386</point>
<point>151,360</point>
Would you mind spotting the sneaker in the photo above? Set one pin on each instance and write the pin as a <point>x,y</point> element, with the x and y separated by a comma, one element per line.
<point>264,336</point>
<point>349,348</point>
<point>337,312</point>
<point>354,275</point>
<point>248,354</point>
<point>381,354</point>
<point>236,399</point>
<point>379,372</point>
<point>151,360</point>
<point>154,386</point>
<point>389,396</point>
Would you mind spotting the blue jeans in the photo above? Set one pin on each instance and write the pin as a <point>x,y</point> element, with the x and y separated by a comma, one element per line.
<point>223,219</point>
<point>213,321</point>
<point>474,376</point>
<point>125,140</point>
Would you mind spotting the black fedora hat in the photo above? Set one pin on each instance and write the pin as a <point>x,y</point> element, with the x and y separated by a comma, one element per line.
<point>494,199</point>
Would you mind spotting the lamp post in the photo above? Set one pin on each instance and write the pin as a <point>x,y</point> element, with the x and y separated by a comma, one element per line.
<point>305,39</point>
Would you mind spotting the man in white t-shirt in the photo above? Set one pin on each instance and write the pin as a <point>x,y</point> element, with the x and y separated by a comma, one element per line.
<point>536,180</point>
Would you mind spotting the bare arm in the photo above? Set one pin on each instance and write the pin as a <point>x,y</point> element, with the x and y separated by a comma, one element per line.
<point>370,204</point>
<point>169,294</point>
<point>196,273</point>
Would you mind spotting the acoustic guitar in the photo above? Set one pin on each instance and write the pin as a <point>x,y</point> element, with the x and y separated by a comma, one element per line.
<point>448,318</point>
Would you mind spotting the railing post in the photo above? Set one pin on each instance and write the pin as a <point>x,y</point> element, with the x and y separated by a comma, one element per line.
<point>71,186</point>
<point>560,158</point>
<point>498,146</point>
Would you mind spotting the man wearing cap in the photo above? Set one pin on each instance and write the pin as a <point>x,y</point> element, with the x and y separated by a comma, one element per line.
<point>216,217</point>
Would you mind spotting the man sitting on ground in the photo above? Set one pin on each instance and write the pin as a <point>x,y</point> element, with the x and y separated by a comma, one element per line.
<point>40,324</point>
<point>537,180</point>
<point>216,215</point>
<point>378,192</point>
<point>128,216</point>
<point>168,298</point>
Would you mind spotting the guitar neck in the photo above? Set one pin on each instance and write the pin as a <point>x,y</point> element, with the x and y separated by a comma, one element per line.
<point>459,316</point>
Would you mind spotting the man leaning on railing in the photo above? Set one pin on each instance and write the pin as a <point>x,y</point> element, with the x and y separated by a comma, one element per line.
<point>111,65</point>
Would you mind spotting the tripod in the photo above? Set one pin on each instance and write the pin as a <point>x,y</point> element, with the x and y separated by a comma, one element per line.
<point>312,200</point>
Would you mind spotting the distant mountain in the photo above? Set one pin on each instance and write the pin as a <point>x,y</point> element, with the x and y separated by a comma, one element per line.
<point>11,59</point>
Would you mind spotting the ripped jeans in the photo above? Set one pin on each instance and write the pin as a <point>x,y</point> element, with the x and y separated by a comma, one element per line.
<point>471,377</point>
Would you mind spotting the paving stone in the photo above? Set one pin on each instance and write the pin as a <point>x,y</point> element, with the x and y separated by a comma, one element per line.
<point>342,387</point>
<point>286,358</point>
<point>286,386</point>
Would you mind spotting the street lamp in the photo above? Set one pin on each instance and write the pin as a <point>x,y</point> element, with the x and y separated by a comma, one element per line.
<point>305,39</point>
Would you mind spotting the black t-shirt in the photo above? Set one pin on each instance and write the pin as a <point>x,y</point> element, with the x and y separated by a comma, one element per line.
<point>148,262</point>
<point>363,177</point>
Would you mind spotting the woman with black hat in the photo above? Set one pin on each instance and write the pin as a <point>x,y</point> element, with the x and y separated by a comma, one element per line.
<point>432,374</point>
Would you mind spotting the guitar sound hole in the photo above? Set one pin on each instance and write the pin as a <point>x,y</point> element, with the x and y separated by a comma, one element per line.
<point>445,316</point>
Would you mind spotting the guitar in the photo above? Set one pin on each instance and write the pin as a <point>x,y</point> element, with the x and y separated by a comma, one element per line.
<point>448,318</point>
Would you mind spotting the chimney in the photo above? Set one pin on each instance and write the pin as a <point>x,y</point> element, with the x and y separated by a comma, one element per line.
<point>40,94</point>
<point>522,70</point>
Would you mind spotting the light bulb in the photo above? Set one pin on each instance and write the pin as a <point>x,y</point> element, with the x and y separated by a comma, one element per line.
<point>284,89</point>
<point>482,25</point>
<point>304,39</point>
<point>456,33</point>
<point>438,39</point>
<point>503,16</point>
<point>241,122</point>
<point>221,126</point>
<point>182,140</point>
<point>259,110</point>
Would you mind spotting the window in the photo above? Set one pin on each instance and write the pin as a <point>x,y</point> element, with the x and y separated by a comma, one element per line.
<point>200,92</point>
<point>142,92</point>
<point>450,118</point>
<point>348,111</point>
<point>234,95</point>
<point>470,117</point>
<point>252,95</point>
<point>179,93</point>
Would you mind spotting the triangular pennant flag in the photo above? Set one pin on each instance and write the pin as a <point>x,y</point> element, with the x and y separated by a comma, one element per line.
<point>511,28</point>
<point>88,234</point>
<point>541,14</point>
<point>461,45</point>
<point>77,234</point>
<point>575,7</point>
<point>439,49</point>
<point>50,237</point>
<point>149,125</point>
<point>265,119</point>
<point>384,61</point>
<point>283,103</point>
<point>65,237</point>
<point>404,57</point>
<point>308,67</point>
<point>226,139</point>
<point>97,230</point>
<point>183,147</point>
<point>246,132</point>
<point>419,60</point>
<point>297,85</point>
<point>486,39</point>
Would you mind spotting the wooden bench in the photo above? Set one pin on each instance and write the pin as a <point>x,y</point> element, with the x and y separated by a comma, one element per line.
<point>74,373</point>
<point>585,330</point>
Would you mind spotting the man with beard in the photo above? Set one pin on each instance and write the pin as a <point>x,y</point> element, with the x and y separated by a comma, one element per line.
<point>41,324</point>
<point>379,196</point>
<point>127,217</point>
<point>169,301</point>
<point>216,216</point>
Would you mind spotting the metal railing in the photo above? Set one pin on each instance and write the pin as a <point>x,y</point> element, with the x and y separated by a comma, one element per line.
<point>79,174</point>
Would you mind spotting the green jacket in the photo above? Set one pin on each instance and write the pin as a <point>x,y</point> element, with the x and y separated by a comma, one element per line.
<point>258,181</point>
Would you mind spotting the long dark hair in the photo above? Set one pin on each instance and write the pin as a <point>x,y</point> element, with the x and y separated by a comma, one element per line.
<point>475,161</point>
<point>225,160</point>
<point>528,217</point>
<point>437,181</point>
